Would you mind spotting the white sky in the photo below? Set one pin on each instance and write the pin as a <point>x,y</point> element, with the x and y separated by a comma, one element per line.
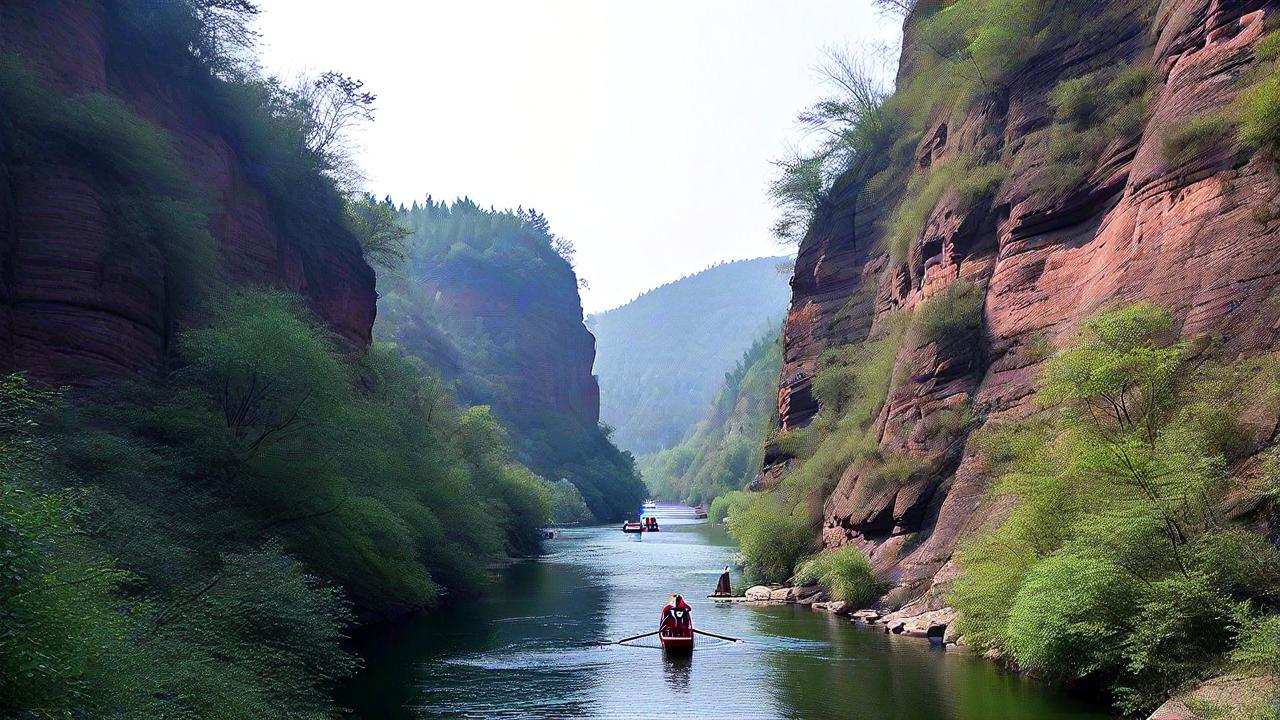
<point>643,129</point>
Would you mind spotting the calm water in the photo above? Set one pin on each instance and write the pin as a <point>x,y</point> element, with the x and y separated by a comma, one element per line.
<point>533,650</point>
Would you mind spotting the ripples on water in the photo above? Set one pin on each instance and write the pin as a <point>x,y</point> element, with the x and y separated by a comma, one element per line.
<point>536,649</point>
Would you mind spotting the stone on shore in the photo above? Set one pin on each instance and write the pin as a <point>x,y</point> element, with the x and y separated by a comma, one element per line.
<point>758,593</point>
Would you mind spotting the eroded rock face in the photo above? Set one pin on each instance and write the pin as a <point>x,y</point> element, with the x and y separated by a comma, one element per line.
<point>77,302</point>
<point>1193,236</point>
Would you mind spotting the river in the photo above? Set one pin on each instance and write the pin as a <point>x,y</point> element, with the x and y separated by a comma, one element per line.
<point>534,649</point>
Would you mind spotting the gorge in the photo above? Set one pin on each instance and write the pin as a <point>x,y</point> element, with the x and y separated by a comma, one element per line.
<point>260,429</point>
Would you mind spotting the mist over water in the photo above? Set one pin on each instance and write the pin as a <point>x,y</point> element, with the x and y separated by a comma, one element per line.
<point>535,649</point>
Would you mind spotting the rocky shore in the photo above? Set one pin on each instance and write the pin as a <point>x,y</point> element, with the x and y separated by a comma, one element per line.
<point>1229,696</point>
<point>909,621</point>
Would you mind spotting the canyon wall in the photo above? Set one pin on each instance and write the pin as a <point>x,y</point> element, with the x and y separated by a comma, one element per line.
<point>1196,235</point>
<point>76,301</point>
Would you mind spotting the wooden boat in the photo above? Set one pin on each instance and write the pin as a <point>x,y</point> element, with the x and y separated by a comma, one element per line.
<point>632,527</point>
<point>676,633</point>
<point>700,513</point>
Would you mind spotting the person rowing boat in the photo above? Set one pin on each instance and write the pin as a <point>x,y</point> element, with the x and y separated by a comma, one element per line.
<point>675,629</point>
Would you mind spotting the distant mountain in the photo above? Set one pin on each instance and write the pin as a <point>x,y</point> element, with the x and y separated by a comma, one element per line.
<point>726,448</point>
<point>662,357</point>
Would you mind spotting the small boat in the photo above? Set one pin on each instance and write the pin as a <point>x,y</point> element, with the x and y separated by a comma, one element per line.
<point>649,505</point>
<point>650,524</point>
<point>700,513</point>
<point>632,526</point>
<point>676,631</point>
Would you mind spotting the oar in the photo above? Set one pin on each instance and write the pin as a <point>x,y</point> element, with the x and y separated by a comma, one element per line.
<point>719,637</point>
<point>636,637</point>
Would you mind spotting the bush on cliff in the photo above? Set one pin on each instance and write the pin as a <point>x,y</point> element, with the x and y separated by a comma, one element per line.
<point>953,316</point>
<point>1114,563</point>
<point>851,385</point>
<point>845,572</point>
<point>970,181</point>
<point>771,536</point>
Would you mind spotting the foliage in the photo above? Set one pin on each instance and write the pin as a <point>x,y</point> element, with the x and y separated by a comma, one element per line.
<point>1195,136</point>
<point>1113,563</point>
<point>851,125</point>
<point>1259,111</point>
<point>378,228</point>
<point>972,182</point>
<point>240,635</point>
<point>726,504</point>
<point>953,315</point>
<point>850,385</point>
<point>1259,647</point>
<point>1092,112</point>
<point>567,505</point>
<point>845,572</point>
<point>458,253</point>
<point>726,448</point>
<point>771,537</point>
<point>662,358</point>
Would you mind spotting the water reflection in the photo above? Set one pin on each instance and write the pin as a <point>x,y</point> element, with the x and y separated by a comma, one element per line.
<point>534,649</point>
<point>678,668</point>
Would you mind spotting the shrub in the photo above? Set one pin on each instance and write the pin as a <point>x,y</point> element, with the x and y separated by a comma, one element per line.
<point>952,316</point>
<point>1260,116</point>
<point>1113,563</point>
<point>771,538</point>
<point>971,181</point>
<point>567,505</point>
<point>895,471</point>
<point>1091,112</point>
<point>1196,136</point>
<point>1067,616</point>
<point>1258,650</point>
<point>845,572</point>
<point>724,505</point>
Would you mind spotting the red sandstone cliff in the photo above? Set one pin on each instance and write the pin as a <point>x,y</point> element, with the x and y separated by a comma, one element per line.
<point>74,305</point>
<point>1187,235</point>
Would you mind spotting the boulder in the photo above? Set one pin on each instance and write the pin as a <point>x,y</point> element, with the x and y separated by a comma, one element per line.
<point>784,594</point>
<point>758,593</point>
<point>838,607</point>
<point>1233,695</point>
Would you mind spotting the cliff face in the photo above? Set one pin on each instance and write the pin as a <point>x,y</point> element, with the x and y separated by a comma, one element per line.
<point>539,348</point>
<point>487,300</point>
<point>1195,235</point>
<point>74,304</point>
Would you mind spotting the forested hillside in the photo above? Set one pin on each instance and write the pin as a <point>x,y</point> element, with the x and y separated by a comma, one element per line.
<point>726,447</point>
<point>208,474</point>
<point>661,357</point>
<point>491,300</point>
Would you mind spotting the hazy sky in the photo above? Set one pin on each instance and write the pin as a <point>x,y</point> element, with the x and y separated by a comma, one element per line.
<point>642,129</point>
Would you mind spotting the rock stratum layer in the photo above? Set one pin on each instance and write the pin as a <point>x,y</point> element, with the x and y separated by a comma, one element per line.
<point>74,305</point>
<point>1197,236</point>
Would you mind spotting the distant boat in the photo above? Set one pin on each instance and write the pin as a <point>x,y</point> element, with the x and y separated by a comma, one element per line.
<point>632,526</point>
<point>649,505</point>
<point>700,512</point>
